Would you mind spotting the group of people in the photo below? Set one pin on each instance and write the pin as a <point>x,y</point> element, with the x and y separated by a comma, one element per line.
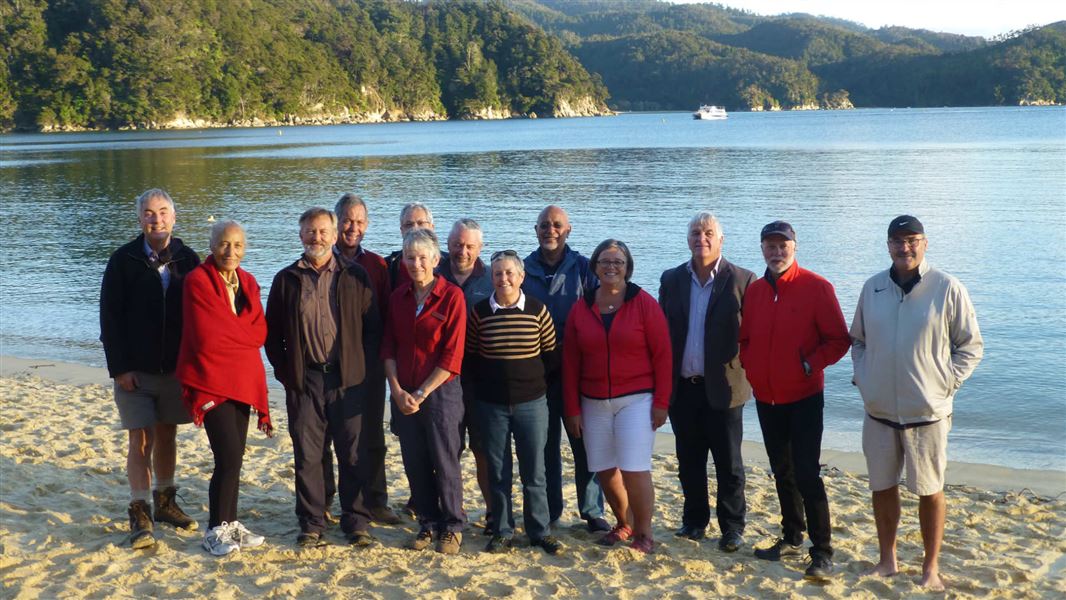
<point>514,352</point>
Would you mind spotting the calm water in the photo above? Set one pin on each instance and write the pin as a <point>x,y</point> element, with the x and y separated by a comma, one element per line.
<point>989,184</point>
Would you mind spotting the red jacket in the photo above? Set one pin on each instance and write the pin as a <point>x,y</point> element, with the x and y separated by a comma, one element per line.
<point>795,319</point>
<point>219,357</point>
<point>633,357</point>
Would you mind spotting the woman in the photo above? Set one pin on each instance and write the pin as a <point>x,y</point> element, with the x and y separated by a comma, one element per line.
<point>222,375</point>
<point>510,346</point>
<point>425,331</point>
<point>617,382</point>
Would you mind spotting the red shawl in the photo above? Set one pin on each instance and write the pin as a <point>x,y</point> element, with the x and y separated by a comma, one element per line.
<point>219,356</point>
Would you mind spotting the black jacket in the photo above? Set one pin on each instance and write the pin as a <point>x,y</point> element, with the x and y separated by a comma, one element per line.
<point>725,382</point>
<point>140,327</point>
<point>359,326</point>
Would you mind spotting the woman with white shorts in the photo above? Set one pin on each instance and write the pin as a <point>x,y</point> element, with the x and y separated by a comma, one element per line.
<point>616,389</point>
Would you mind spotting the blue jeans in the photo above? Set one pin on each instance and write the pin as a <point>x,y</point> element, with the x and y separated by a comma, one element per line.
<point>589,494</point>
<point>528,423</point>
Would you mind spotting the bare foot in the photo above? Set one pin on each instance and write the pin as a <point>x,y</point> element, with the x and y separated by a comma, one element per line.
<point>883,569</point>
<point>932,582</point>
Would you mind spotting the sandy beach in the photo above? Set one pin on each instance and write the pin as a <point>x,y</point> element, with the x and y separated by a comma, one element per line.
<point>63,525</point>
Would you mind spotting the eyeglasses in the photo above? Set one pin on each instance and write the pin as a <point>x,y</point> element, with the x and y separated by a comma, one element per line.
<point>503,253</point>
<point>616,263</point>
<point>905,242</point>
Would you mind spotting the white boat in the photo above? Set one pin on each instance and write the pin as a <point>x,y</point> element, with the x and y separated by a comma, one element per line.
<point>708,112</point>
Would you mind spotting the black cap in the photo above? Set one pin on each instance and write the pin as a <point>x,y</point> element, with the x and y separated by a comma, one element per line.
<point>905,224</point>
<point>778,228</point>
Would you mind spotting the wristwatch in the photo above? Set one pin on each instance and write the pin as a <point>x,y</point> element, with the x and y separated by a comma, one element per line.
<point>420,394</point>
<point>806,368</point>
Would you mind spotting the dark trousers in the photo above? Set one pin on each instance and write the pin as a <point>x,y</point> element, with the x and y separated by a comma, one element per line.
<point>589,494</point>
<point>528,424</point>
<point>324,408</point>
<point>227,431</point>
<point>376,493</point>
<point>429,443</point>
<point>699,429</point>
<point>792,434</point>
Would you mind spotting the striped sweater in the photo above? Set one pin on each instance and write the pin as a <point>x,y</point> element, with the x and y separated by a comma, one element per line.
<point>510,352</point>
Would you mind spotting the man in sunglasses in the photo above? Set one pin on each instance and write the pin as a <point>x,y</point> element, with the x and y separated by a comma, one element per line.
<point>915,339</point>
<point>558,276</point>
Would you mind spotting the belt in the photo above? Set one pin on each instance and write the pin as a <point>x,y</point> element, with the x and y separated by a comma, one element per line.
<point>323,367</point>
<point>694,380</point>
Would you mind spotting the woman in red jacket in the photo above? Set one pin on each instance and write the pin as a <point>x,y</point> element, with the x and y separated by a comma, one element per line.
<point>616,388</point>
<point>222,375</point>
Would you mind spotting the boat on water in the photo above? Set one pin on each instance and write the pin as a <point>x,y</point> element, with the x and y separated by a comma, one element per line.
<point>709,112</point>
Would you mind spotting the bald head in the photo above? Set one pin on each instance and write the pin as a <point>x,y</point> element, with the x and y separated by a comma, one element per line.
<point>553,227</point>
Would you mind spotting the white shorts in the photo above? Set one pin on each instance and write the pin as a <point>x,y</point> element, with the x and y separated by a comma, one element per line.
<point>618,433</point>
<point>922,451</point>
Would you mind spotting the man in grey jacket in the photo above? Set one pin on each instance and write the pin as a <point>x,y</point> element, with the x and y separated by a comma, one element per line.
<point>915,339</point>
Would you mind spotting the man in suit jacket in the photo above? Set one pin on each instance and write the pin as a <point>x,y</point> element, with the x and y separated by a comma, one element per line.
<point>702,300</point>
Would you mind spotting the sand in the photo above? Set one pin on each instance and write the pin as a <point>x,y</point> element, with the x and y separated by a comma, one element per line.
<point>63,525</point>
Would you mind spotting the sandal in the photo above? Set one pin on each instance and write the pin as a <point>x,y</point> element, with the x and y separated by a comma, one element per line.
<point>643,544</point>
<point>619,533</point>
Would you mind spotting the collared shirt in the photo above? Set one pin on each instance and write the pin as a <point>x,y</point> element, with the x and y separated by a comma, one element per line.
<point>476,287</point>
<point>520,304</point>
<point>233,285</point>
<point>699,298</point>
<point>319,310</point>
<point>153,259</point>
<point>434,338</point>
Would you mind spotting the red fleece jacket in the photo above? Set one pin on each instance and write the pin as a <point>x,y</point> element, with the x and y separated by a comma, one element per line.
<point>219,357</point>
<point>796,319</point>
<point>634,356</point>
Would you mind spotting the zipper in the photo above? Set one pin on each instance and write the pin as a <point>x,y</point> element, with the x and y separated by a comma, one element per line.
<point>163,336</point>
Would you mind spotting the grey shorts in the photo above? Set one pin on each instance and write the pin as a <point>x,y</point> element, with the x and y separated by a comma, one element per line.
<point>921,451</point>
<point>157,399</point>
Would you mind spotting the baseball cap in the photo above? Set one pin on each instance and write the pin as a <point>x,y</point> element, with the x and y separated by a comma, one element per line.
<point>778,228</point>
<point>905,224</point>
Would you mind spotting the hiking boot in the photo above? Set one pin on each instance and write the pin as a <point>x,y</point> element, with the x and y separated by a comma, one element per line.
<point>449,542</point>
<point>141,535</point>
<point>820,569</point>
<point>779,549</point>
<point>310,539</point>
<point>549,543</point>
<point>360,539</point>
<point>384,515</point>
<point>731,541</point>
<point>499,544</point>
<point>220,540</point>
<point>422,540</point>
<point>168,511</point>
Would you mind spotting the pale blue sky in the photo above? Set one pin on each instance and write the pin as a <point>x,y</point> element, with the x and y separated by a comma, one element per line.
<point>971,17</point>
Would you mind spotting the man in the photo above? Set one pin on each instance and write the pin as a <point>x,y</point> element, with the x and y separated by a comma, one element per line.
<point>322,323</point>
<point>414,215</point>
<point>465,269</point>
<point>353,220</point>
<point>792,330</point>
<point>140,328</point>
<point>702,300</point>
<point>558,277</point>
<point>915,339</point>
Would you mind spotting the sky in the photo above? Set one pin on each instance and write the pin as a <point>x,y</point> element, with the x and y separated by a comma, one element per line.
<point>985,18</point>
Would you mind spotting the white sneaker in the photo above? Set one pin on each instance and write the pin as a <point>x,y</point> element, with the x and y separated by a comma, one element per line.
<point>221,540</point>
<point>244,537</point>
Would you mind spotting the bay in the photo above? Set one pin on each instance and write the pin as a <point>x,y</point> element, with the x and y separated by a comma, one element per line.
<point>989,184</point>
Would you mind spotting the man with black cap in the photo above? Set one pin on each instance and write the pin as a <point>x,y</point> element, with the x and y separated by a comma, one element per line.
<point>915,339</point>
<point>791,330</point>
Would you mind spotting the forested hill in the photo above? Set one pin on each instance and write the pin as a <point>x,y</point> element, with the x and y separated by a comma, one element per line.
<point>657,55</point>
<point>72,64</point>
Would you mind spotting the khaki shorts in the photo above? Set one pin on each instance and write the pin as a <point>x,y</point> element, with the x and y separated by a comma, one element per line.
<point>157,399</point>
<point>922,451</point>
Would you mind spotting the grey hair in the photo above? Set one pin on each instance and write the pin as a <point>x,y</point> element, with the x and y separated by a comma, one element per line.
<point>520,266</point>
<point>705,217</point>
<point>220,227</point>
<point>316,212</point>
<point>421,238</point>
<point>153,193</point>
<point>465,225</point>
<point>411,206</point>
<point>347,201</point>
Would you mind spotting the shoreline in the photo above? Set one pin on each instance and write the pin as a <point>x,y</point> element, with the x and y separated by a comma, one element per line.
<point>994,478</point>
